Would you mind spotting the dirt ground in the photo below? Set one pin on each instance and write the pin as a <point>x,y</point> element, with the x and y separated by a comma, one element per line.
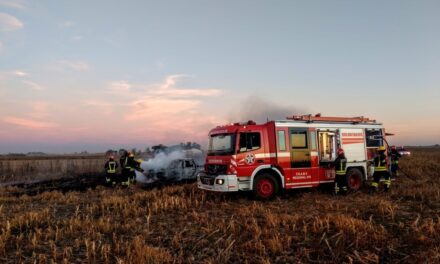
<point>181,224</point>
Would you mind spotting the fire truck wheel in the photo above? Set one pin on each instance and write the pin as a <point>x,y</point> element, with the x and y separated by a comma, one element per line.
<point>265,187</point>
<point>354,179</point>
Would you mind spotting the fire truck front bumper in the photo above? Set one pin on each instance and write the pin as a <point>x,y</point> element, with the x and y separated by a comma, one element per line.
<point>217,183</point>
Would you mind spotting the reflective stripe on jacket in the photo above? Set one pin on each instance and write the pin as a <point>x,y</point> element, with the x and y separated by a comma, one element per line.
<point>341,167</point>
<point>111,167</point>
<point>380,163</point>
<point>126,164</point>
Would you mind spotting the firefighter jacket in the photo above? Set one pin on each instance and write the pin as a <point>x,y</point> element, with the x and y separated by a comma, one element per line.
<point>125,162</point>
<point>133,164</point>
<point>380,162</point>
<point>395,156</point>
<point>122,160</point>
<point>111,166</point>
<point>340,165</point>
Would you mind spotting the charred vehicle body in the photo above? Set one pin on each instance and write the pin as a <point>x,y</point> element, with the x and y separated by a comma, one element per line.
<point>177,170</point>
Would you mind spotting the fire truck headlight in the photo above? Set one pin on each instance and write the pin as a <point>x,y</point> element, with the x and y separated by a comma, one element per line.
<point>219,181</point>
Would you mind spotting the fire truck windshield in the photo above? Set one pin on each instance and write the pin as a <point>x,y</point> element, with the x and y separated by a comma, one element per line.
<point>221,144</point>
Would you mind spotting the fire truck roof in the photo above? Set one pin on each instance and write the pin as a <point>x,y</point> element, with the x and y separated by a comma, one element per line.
<point>306,121</point>
<point>332,119</point>
<point>329,121</point>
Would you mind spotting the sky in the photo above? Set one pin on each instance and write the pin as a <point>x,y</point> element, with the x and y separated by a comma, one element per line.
<point>94,75</point>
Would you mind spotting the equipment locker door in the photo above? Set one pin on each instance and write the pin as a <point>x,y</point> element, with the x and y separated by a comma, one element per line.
<point>302,174</point>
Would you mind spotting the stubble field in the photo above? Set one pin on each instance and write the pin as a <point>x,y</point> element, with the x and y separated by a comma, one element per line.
<point>180,224</point>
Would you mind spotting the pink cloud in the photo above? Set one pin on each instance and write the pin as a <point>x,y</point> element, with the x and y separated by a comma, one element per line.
<point>40,109</point>
<point>122,114</point>
<point>100,106</point>
<point>168,88</point>
<point>28,123</point>
<point>120,86</point>
<point>150,108</point>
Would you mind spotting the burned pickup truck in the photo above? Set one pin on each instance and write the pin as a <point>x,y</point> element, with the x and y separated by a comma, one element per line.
<point>184,169</point>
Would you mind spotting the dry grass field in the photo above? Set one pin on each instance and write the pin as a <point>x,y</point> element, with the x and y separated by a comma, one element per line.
<point>180,224</point>
<point>50,167</point>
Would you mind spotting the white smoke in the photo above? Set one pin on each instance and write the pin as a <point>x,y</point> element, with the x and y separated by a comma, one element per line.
<point>161,162</point>
<point>140,177</point>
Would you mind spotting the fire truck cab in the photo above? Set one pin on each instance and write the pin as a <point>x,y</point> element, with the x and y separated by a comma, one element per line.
<point>294,153</point>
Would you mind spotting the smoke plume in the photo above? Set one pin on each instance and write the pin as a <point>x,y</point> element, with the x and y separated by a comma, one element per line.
<point>156,168</point>
<point>260,110</point>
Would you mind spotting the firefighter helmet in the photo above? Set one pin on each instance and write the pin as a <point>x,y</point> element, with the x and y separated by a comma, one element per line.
<point>381,148</point>
<point>340,151</point>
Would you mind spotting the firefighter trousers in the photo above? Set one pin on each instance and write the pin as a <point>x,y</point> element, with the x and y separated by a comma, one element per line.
<point>340,184</point>
<point>111,178</point>
<point>376,179</point>
<point>394,169</point>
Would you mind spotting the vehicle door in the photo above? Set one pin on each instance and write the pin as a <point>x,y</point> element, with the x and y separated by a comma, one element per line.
<point>175,170</point>
<point>189,170</point>
<point>250,152</point>
<point>302,173</point>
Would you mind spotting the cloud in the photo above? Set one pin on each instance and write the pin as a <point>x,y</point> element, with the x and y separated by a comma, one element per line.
<point>162,98</point>
<point>149,110</point>
<point>168,88</point>
<point>19,73</point>
<point>75,65</point>
<point>188,92</point>
<point>103,107</point>
<point>28,123</point>
<point>1,46</point>
<point>152,108</point>
<point>9,23</point>
<point>144,113</point>
<point>12,74</point>
<point>17,4</point>
<point>171,80</point>
<point>39,109</point>
<point>119,86</point>
<point>34,86</point>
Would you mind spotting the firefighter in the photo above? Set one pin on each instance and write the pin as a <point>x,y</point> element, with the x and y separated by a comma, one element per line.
<point>126,168</point>
<point>110,168</point>
<point>380,170</point>
<point>135,165</point>
<point>132,165</point>
<point>395,156</point>
<point>122,155</point>
<point>340,165</point>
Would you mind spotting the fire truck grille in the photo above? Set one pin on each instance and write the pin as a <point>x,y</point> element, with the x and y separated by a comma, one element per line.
<point>215,169</point>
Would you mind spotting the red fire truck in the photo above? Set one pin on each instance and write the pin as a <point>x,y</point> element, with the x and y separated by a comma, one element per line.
<point>292,153</point>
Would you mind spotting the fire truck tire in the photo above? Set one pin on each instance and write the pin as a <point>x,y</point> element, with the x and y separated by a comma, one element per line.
<point>355,179</point>
<point>265,187</point>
